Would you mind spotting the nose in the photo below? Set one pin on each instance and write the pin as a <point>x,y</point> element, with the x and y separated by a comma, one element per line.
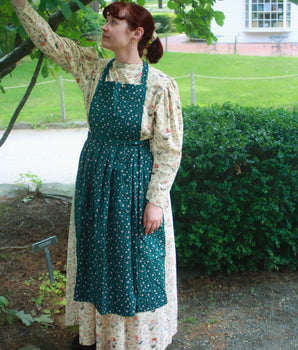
<point>104,28</point>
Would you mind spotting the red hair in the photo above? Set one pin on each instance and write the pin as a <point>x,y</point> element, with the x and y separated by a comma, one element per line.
<point>137,16</point>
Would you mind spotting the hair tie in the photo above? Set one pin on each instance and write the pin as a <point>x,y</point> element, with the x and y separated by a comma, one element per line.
<point>153,37</point>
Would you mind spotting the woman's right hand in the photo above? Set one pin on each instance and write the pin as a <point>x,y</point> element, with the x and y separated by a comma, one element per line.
<point>18,3</point>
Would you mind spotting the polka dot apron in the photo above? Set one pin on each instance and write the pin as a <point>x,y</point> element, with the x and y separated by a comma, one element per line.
<point>120,270</point>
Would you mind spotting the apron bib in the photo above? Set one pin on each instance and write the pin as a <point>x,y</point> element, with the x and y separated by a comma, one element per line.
<point>119,269</point>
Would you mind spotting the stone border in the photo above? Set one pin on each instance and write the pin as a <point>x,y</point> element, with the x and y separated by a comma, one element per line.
<point>50,190</point>
<point>66,125</point>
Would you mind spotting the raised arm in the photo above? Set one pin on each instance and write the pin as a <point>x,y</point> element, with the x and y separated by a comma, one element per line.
<point>65,52</point>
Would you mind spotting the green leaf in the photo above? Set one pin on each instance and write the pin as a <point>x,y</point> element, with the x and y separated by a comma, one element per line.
<point>141,2</point>
<point>27,319</point>
<point>44,319</point>
<point>173,5</point>
<point>102,3</point>
<point>179,27</point>
<point>22,32</point>
<point>45,70</point>
<point>15,20</point>
<point>66,10</point>
<point>3,301</point>
<point>81,6</point>
<point>42,5</point>
<point>219,17</point>
<point>52,5</point>
<point>27,199</point>
<point>62,302</point>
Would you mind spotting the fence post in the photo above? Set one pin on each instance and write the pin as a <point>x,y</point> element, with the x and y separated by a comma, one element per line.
<point>235,45</point>
<point>62,105</point>
<point>166,48</point>
<point>192,87</point>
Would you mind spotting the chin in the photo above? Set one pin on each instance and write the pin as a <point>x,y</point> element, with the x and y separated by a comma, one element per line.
<point>105,45</point>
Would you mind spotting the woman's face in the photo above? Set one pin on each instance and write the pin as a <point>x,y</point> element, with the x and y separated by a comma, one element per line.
<point>116,34</point>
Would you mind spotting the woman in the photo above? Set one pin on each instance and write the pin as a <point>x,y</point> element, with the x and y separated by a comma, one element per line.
<point>121,274</point>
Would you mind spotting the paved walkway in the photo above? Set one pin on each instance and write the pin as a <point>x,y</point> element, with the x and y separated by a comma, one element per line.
<point>180,43</point>
<point>51,154</point>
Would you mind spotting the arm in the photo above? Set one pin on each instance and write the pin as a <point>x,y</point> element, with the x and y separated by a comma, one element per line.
<point>166,145</point>
<point>62,51</point>
<point>167,150</point>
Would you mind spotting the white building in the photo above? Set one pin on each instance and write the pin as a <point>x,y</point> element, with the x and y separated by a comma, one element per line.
<point>257,21</point>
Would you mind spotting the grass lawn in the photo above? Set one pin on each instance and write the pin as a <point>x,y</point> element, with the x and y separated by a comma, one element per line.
<point>280,92</point>
<point>44,102</point>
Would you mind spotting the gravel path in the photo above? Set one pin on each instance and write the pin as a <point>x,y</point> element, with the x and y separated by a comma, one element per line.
<point>242,312</point>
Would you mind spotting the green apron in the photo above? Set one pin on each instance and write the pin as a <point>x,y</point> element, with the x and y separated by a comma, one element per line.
<point>119,269</point>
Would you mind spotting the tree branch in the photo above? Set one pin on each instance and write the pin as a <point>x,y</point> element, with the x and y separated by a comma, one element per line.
<point>7,71</point>
<point>23,101</point>
<point>9,61</point>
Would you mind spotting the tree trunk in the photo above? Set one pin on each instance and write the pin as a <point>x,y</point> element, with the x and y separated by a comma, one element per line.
<point>160,4</point>
<point>23,101</point>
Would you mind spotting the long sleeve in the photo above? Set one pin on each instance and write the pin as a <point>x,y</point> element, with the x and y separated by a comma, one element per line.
<point>62,51</point>
<point>166,144</point>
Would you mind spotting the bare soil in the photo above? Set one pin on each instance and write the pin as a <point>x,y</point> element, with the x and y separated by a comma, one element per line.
<point>241,311</point>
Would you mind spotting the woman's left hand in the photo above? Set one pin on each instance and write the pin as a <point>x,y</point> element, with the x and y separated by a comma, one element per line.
<point>152,218</point>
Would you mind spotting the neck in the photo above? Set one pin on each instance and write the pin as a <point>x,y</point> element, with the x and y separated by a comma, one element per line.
<point>128,57</point>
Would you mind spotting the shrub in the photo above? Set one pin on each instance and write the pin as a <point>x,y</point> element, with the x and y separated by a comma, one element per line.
<point>234,199</point>
<point>91,21</point>
<point>166,21</point>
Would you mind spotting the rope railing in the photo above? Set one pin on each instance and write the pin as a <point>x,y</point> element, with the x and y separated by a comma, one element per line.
<point>238,78</point>
<point>20,86</point>
<point>180,77</point>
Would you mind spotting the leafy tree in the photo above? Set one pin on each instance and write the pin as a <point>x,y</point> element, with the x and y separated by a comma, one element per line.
<point>192,17</point>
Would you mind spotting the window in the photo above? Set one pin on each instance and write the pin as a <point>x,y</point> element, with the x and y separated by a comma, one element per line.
<point>268,14</point>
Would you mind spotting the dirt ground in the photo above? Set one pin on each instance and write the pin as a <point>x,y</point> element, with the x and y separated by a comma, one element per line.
<point>223,312</point>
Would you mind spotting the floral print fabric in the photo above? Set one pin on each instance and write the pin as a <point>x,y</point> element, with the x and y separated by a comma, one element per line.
<point>162,126</point>
<point>120,269</point>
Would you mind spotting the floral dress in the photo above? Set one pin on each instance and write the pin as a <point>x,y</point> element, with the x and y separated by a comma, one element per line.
<point>161,127</point>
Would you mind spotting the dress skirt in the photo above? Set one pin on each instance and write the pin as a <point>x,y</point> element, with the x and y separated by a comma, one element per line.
<point>143,331</point>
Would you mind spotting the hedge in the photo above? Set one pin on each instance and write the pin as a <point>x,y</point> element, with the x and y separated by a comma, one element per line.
<point>235,195</point>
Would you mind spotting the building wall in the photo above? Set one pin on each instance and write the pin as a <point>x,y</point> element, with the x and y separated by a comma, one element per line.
<point>234,25</point>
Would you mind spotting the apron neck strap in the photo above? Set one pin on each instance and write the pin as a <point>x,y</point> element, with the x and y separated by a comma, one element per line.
<point>144,72</point>
<point>106,70</point>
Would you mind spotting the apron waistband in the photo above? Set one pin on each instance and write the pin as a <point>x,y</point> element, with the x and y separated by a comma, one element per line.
<point>115,142</point>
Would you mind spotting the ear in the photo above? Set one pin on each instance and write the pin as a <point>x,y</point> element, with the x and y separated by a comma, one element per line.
<point>137,33</point>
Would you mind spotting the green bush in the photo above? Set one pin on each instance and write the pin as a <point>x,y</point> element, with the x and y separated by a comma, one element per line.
<point>235,195</point>
<point>166,21</point>
<point>91,21</point>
